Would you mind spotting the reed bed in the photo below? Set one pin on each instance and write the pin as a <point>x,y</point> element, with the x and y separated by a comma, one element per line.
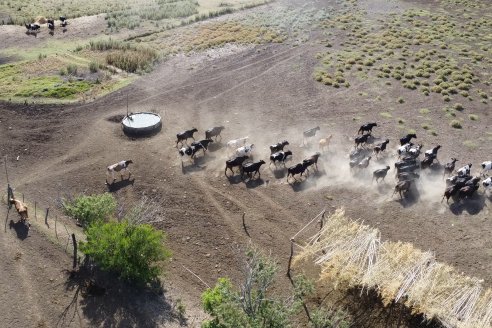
<point>352,254</point>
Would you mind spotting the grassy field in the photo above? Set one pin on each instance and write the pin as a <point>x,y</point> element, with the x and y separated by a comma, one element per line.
<point>442,54</point>
<point>85,68</point>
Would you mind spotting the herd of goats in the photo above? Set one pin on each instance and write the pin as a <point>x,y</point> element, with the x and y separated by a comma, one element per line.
<point>34,27</point>
<point>460,184</point>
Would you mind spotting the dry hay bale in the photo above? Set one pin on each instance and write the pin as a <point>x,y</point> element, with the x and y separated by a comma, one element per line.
<point>41,20</point>
<point>351,254</point>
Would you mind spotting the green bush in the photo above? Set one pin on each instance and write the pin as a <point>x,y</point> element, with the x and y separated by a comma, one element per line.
<point>93,67</point>
<point>134,252</point>
<point>91,209</point>
<point>72,69</point>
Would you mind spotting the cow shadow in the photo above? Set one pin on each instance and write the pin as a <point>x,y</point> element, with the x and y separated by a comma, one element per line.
<point>279,172</point>
<point>21,229</point>
<point>214,146</point>
<point>472,206</point>
<point>254,182</point>
<point>117,185</point>
<point>300,185</point>
<point>234,179</point>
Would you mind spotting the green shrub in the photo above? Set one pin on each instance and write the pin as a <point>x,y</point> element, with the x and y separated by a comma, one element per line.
<point>134,252</point>
<point>458,106</point>
<point>473,117</point>
<point>424,111</point>
<point>72,69</point>
<point>456,124</point>
<point>91,209</point>
<point>401,100</point>
<point>93,67</point>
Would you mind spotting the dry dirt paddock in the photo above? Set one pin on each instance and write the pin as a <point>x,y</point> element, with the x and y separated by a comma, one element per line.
<point>264,92</point>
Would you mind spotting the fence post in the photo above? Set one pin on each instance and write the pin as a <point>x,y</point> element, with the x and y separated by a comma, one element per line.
<point>74,251</point>
<point>35,209</point>
<point>46,217</point>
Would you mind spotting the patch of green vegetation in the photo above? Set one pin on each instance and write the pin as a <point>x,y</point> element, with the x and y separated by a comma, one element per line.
<point>424,111</point>
<point>425,126</point>
<point>401,100</point>
<point>473,117</point>
<point>385,114</point>
<point>51,87</point>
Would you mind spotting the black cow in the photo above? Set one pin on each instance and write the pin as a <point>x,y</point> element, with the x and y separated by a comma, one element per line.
<point>202,144</point>
<point>278,147</point>
<point>232,163</point>
<point>406,139</point>
<point>366,128</point>
<point>252,167</point>
<point>185,135</point>
<point>296,169</point>
<point>380,174</point>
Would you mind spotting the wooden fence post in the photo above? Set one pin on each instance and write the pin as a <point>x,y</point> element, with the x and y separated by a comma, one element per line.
<point>290,258</point>
<point>46,217</point>
<point>35,210</point>
<point>74,251</point>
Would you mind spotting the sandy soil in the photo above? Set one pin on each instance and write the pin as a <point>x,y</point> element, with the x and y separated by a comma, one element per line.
<point>266,93</point>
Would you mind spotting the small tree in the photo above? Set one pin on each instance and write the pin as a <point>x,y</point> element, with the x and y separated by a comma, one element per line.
<point>251,305</point>
<point>134,252</point>
<point>90,209</point>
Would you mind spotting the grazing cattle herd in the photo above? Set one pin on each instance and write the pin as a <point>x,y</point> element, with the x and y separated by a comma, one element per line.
<point>34,28</point>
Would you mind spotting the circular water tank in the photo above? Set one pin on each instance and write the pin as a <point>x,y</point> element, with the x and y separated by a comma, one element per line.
<point>143,123</point>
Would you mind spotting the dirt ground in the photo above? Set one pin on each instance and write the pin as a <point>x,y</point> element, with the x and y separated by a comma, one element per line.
<point>264,92</point>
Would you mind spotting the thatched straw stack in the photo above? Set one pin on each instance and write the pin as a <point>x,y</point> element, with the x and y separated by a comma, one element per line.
<point>351,254</point>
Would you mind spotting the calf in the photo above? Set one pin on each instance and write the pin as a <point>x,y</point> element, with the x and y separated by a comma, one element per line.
<point>21,209</point>
<point>486,166</point>
<point>366,128</point>
<point>360,140</point>
<point>403,150</point>
<point>325,143</point>
<point>406,139</point>
<point>380,174</point>
<point>449,192</point>
<point>313,160</point>
<point>465,170</point>
<point>487,184</point>
<point>427,162</point>
<point>296,169</point>
<point>214,132</point>
<point>189,152</point>
<point>309,133</point>
<point>278,147</point>
<point>432,152</point>
<point>403,176</point>
<point>364,163</point>
<point>467,192</point>
<point>118,167</point>
<point>235,143</point>
<point>232,163</point>
<point>245,150</point>
<point>280,156</point>
<point>202,144</point>
<point>380,147</point>
<point>252,167</point>
<point>449,167</point>
<point>402,187</point>
<point>185,135</point>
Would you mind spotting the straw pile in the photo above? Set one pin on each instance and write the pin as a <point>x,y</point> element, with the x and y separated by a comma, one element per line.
<point>352,254</point>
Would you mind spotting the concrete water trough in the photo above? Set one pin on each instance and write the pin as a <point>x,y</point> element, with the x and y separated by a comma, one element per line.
<point>142,123</point>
